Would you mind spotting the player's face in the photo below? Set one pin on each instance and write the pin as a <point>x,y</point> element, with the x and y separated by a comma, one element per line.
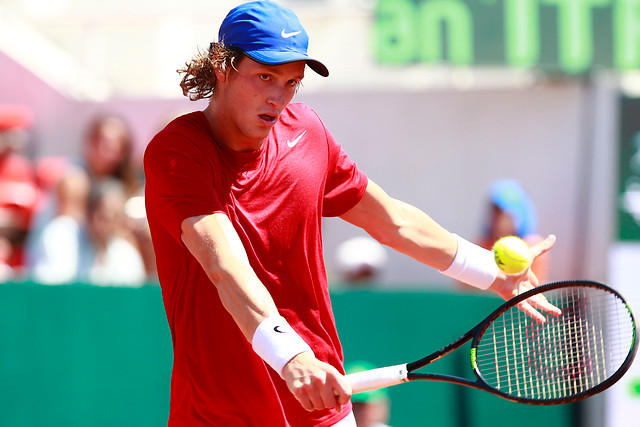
<point>253,97</point>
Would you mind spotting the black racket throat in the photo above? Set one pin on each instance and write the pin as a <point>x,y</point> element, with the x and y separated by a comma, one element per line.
<point>440,353</point>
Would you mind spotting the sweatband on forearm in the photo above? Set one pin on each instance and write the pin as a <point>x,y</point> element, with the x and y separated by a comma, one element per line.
<point>277,343</point>
<point>472,265</point>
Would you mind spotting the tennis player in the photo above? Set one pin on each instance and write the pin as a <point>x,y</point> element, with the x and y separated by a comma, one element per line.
<point>235,198</point>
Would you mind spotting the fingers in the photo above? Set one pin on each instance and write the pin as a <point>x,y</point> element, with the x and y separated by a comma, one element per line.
<point>341,389</point>
<point>313,398</point>
<point>540,301</point>
<point>532,312</point>
<point>542,247</point>
<point>316,385</point>
<point>322,394</point>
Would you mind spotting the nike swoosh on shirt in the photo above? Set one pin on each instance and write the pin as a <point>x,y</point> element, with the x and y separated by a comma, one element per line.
<point>286,35</point>
<point>295,141</point>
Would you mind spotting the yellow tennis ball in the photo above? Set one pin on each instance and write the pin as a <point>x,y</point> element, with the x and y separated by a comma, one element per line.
<point>512,254</point>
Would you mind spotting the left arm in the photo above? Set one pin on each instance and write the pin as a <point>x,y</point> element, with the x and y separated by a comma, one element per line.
<point>412,232</point>
<point>403,227</point>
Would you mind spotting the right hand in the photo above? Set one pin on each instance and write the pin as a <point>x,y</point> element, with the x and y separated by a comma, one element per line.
<point>316,384</point>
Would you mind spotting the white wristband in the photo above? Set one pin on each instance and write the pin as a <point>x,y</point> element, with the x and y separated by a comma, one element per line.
<point>472,265</point>
<point>277,343</point>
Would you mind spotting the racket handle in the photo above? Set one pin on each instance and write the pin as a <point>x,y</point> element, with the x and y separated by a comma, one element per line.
<point>378,378</point>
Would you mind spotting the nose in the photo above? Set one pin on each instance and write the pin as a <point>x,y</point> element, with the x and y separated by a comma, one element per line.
<point>277,97</point>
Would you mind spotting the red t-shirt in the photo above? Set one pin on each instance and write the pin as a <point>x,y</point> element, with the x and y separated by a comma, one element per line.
<point>276,198</point>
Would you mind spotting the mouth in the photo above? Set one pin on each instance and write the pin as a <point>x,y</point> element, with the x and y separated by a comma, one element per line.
<point>270,119</point>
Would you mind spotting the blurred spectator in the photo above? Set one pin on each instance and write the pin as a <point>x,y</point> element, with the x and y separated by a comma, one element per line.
<point>55,251</point>
<point>106,155</point>
<point>107,152</point>
<point>370,408</point>
<point>360,260</point>
<point>96,250</point>
<point>114,259</point>
<point>18,195</point>
<point>136,214</point>
<point>511,212</point>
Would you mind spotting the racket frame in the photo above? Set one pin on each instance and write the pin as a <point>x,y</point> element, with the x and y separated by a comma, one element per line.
<point>475,334</point>
<point>624,366</point>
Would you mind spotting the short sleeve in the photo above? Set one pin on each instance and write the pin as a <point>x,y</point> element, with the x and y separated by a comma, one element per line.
<point>179,182</point>
<point>345,184</point>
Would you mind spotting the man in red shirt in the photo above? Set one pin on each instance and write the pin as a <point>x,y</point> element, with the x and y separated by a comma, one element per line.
<point>235,198</point>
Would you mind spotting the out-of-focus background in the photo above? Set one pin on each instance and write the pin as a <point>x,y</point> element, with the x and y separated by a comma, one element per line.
<point>441,102</point>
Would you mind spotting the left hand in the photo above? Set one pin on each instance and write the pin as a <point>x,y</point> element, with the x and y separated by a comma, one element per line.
<point>509,286</point>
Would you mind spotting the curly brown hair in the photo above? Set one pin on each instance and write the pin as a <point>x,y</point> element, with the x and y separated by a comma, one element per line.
<point>199,78</point>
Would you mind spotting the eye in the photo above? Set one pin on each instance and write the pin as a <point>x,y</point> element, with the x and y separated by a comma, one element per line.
<point>264,77</point>
<point>293,82</point>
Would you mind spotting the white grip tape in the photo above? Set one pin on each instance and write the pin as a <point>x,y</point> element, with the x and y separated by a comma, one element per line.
<point>378,378</point>
<point>472,265</point>
<point>277,343</point>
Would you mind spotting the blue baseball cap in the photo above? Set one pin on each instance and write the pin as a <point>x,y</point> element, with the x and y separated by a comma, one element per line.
<point>269,34</point>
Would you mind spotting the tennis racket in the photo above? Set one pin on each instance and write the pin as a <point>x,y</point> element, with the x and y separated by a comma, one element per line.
<point>565,358</point>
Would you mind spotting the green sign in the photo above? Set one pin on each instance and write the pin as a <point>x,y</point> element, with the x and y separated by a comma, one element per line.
<point>634,388</point>
<point>628,203</point>
<point>568,36</point>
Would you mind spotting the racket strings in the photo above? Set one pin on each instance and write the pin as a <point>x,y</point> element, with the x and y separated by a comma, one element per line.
<point>562,357</point>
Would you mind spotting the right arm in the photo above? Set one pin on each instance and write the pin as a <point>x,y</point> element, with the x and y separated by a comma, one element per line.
<point>215,244</point>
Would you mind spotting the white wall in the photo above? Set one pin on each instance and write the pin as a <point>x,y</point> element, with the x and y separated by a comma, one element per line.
<point>441,150</point>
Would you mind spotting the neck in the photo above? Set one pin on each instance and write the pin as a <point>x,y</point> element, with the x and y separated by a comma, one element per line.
<point>227,133</point>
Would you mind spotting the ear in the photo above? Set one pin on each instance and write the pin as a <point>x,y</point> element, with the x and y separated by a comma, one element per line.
<point>222,76</point>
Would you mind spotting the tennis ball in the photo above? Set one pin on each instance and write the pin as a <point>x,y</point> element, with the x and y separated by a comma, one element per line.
<point>512,254</point>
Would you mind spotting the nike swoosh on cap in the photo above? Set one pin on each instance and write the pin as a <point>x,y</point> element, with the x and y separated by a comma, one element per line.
<point>295,141</point>
<point>286,35</point>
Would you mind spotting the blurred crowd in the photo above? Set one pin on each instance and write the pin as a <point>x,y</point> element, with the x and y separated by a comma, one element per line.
<point>81,219</point>
<point>66,219</point>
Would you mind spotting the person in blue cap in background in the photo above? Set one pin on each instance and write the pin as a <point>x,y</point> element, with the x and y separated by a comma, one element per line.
<point>511,212</point>
<point>235,196</point>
